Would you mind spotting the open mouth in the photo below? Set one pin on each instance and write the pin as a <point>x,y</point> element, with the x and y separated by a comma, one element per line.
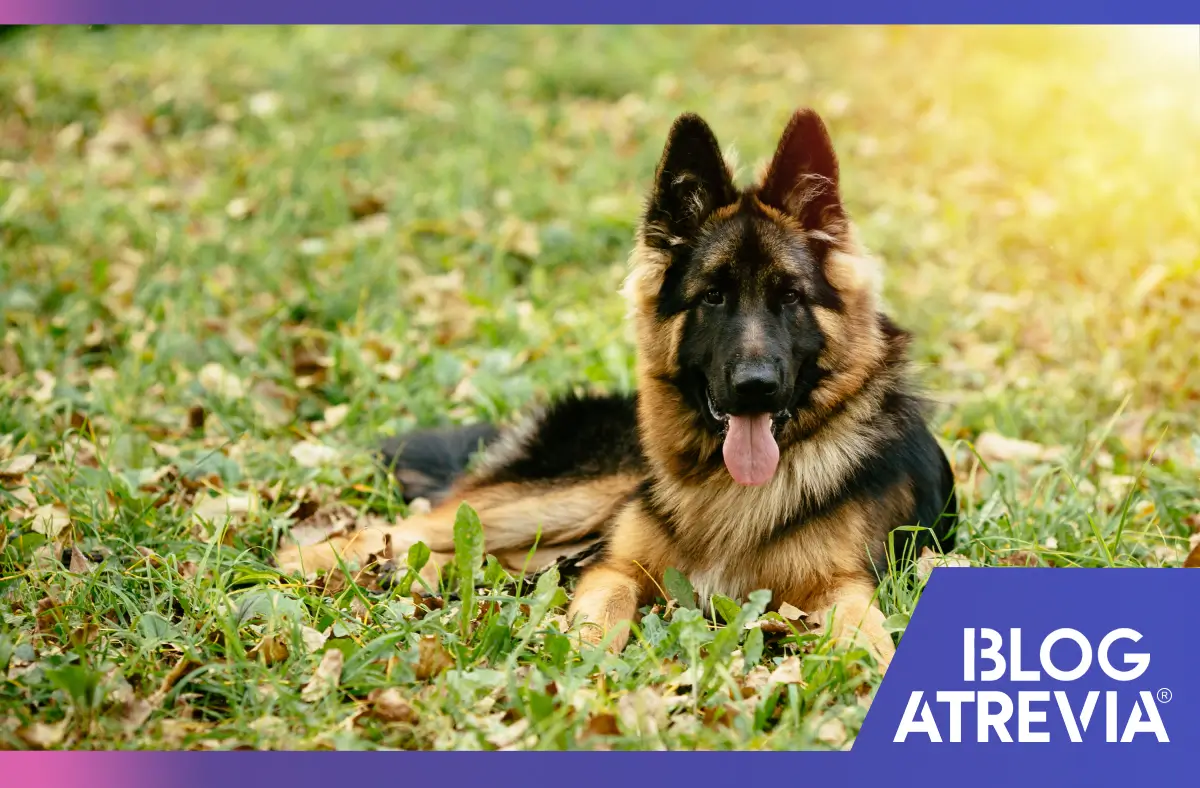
<point>749,448</point>
<point>778,418</point>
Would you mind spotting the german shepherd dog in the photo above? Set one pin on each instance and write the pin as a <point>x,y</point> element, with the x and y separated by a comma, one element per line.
<point>775,441</point>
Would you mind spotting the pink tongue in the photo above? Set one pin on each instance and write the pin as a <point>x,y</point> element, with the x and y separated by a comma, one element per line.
<point>751,453</point>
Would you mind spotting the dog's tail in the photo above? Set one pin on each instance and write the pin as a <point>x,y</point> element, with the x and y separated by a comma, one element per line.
<point>428,462</point>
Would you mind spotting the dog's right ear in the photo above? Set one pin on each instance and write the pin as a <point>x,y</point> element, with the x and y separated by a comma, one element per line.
<point>691,182</point>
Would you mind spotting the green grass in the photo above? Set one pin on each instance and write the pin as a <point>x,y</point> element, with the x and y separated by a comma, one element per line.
<point>219,244</point>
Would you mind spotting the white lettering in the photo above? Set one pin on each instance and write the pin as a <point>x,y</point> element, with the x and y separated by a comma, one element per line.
<point>992,652</point>
<point>1085,660</point>
<point>995,721</point>
<point>1017,673</point>
<point>1139,661</point>
<point>909,723</point>
<point>956,699</point>
<point>1026,715</point>
<point>1152,724</point>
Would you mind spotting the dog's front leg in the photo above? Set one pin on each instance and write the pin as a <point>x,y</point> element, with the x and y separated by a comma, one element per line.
<point>853,618</point>
<point>609,593</point>
<point>606,601</point>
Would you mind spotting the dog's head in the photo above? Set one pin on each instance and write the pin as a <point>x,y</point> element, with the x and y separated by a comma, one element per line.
<point>755,308</point>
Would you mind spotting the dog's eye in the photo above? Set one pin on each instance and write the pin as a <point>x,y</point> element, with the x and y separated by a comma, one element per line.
<point>790,297</point>
<point>714,297</point>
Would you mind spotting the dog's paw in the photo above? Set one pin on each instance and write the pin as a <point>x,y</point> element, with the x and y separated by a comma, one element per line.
<point>858,626</point>
<point>352,550</point>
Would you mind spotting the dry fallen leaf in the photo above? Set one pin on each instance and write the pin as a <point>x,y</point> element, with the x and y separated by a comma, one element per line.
<point>389,705</point>
<point>832,732</point>
<point>134,714</point>
<point>218,510</point>
<point>84,634</point>
<point>313,455</point>
<point>1020,558</point>
<point>602,725</point>
<point>42,736</point>
<point>313,640</point>
<point>929,559</point>
<point>239,208</point>
<point>1193,559</point>
<point>788,672</point>
<point>272,650</point>
<point>643,711</point>
<point>79,565</point>
<point>50,520</point>
<point>335,415</point>
<point>220,382</point>
<point>432,658</point>
<point>46,385</point>
<point>326,677</point>
<point>791,612</point>
<point>17,467</point>
<point>327,521</point>
<point>994,447</point>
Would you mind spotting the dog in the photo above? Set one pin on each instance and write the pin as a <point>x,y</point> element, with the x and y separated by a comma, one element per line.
<point>776,439</point>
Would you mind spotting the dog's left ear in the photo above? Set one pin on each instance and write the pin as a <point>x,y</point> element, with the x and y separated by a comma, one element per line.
<point>802,180</point>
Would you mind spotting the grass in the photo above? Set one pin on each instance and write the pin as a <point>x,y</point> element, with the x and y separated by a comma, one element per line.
<point>233,259</point>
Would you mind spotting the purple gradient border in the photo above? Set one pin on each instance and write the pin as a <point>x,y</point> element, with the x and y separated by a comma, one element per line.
<point>609,12</point>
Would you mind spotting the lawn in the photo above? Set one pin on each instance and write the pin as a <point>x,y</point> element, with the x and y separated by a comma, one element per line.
<point>232,260</point>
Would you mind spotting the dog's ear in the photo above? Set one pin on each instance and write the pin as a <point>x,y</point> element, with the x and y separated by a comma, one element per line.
<point>691,182</point>
<point>802,180</point>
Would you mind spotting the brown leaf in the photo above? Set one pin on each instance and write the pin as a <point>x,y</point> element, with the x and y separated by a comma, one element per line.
<point>928,560</point>
<point>326,677</point>
<point>718,717</point>
<point>832,732</point>
<point>10,362</point>
<point>1020,558</point>
<point>220,382</point>
<point>179,670</point>
<point>134,714</point>
<point>366,205</point>
<point>220,509</point>
<point>79,563</point>
<point>994,447</point>
<point>50,520</point>
<point>643,711</point>
<point>773,624</point>
<point>603,724</point>
<point>432,658</point>
<point>507,737</point>
<point>17,467</point>
<point>271,649</point>
<point>788,672</point>
<point>308,363</point>
<point>1193,559</point>
<point>327,521</point>
<point>84,634</point>
<point>791,612</point>
<point>389,705</point>
<point>41,736</point>
<point>47,613</point>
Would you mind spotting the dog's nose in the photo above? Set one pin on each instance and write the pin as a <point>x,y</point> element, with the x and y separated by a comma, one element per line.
<point>755,383</point>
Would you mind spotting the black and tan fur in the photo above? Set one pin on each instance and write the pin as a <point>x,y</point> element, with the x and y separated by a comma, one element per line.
<point>721,278</point>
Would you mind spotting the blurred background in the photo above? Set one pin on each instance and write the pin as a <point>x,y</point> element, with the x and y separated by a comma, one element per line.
<point>420,225</point>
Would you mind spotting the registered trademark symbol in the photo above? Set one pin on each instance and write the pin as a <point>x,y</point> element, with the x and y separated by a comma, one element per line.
<point>1164,695</point>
